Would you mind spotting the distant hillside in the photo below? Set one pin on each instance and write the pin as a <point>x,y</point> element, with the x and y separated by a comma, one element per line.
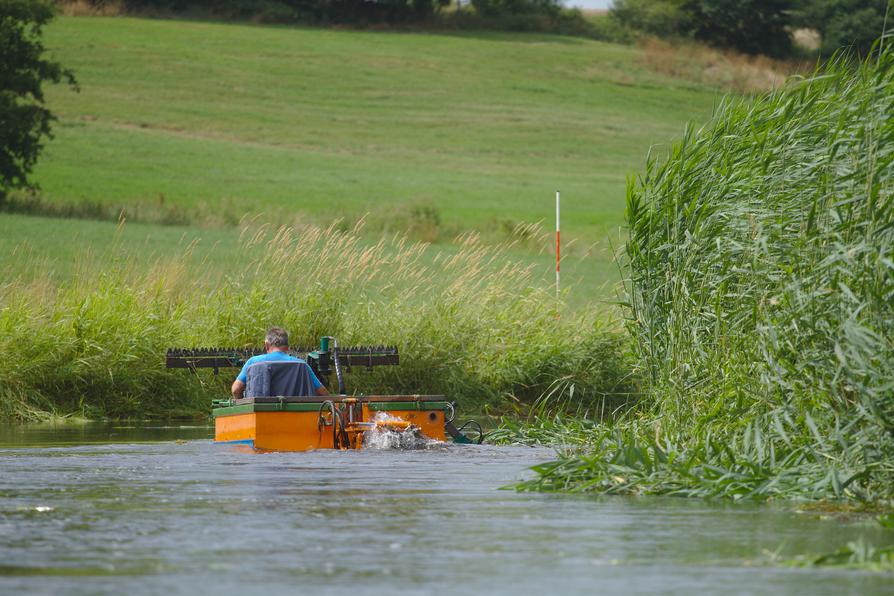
<point>191,122</point>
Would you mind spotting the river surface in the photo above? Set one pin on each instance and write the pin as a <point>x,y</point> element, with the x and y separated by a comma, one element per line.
<point>111,509</point>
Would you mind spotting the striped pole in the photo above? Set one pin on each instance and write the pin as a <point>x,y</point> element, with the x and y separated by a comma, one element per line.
<point>558,245</point>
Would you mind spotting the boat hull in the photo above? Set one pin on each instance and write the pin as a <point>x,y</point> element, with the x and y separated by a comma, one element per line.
<point>294,424</point>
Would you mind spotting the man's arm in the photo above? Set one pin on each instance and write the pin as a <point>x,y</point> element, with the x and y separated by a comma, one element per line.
<point>322,390</point>
<point>238,388</point>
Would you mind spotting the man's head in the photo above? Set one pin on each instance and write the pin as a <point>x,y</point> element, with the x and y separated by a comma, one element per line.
<point>276,339</point>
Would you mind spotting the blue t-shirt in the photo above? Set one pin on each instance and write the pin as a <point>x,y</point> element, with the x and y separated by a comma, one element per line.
<point>273,357</point>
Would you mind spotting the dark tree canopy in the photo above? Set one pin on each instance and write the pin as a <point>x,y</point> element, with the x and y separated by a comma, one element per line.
<point>24,119</point>
<point>512,7</point>
<point>663,18</point>
<point>761,26</point>
<point>750,26</point>
<point>852,24</point>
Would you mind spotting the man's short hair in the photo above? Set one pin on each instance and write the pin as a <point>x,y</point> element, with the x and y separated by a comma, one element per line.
<point>277,336</point>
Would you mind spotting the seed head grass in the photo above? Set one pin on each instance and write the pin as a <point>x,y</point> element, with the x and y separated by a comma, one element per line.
<point>472,324</point>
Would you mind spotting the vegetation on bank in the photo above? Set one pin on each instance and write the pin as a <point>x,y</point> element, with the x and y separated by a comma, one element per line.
<point>761,306</point>
<point>472,324</point>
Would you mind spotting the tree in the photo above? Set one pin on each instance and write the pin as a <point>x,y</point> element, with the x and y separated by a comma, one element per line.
<point>750,26</point>
<point>847,23</point>
<point>663,18</point>
<point>24,119</point>
<point>516,7</point>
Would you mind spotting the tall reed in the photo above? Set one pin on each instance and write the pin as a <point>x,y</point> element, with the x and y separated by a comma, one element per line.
<point>761,302</point>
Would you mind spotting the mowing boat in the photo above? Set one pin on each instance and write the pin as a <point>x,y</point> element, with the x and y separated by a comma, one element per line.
<point>295,421</point>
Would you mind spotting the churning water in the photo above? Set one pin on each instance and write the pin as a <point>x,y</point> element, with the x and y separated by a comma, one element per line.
<point>92,510</point>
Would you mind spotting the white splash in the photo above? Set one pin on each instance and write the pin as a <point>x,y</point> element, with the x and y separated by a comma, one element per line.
<point>381,436</point>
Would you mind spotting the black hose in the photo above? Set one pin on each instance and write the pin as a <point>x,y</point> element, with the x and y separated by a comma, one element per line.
<point>477,428</point>
<point>345,443</point>
<point>339,430</point>
<point>338,373</point>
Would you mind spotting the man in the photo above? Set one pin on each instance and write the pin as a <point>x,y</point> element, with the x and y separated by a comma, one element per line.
<point>276,343</point>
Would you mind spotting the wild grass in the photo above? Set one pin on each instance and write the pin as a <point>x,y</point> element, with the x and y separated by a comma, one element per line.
<point>472,324</point>
<point>199,124</point>
<point>762,461</point>
<point>761,304</point>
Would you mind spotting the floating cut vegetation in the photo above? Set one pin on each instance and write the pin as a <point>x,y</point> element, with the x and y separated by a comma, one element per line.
<point>470,323</point>
<point>761,303</point>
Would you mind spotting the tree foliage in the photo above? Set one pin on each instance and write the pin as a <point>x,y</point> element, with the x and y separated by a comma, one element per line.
<point>662,18</point>
<point>760,26</point>
<point>24,67</point>
<point>515,7</point>
<point>750,26</point>
<point>852,24</point>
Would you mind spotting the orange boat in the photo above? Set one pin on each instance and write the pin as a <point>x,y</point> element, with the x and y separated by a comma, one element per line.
<point>303,423</point>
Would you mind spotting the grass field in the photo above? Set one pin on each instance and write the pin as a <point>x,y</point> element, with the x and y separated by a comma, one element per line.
<point>438,133</point>
<point>338,123</point>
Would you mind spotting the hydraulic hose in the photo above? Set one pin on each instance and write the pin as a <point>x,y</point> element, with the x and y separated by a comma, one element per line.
<point>338,373</point>
<point>476,427</point>
<point>321,422</point>
<point>340,438</point>
<point>345,443</point>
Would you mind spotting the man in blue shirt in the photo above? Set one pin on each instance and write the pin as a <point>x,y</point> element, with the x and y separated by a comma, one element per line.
<point>276,343</point>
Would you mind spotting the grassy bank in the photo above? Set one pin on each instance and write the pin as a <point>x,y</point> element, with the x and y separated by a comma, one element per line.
<point>760,263</point>
<point>473,324</point>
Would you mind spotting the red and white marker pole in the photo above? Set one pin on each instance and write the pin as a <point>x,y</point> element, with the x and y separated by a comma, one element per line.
<point>558,245</point>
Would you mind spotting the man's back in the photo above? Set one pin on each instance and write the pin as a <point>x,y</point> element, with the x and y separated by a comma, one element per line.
<point>280,378</point>
<point>296,372</point>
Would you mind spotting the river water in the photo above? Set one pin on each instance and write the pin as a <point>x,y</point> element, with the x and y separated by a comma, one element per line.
<point>111,509</point>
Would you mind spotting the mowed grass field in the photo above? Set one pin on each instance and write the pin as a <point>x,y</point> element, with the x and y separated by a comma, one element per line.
<point>311,125</point>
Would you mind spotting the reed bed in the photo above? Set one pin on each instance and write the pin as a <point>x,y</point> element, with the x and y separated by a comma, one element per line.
<point>761,304</point>
<point>470,323</point>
